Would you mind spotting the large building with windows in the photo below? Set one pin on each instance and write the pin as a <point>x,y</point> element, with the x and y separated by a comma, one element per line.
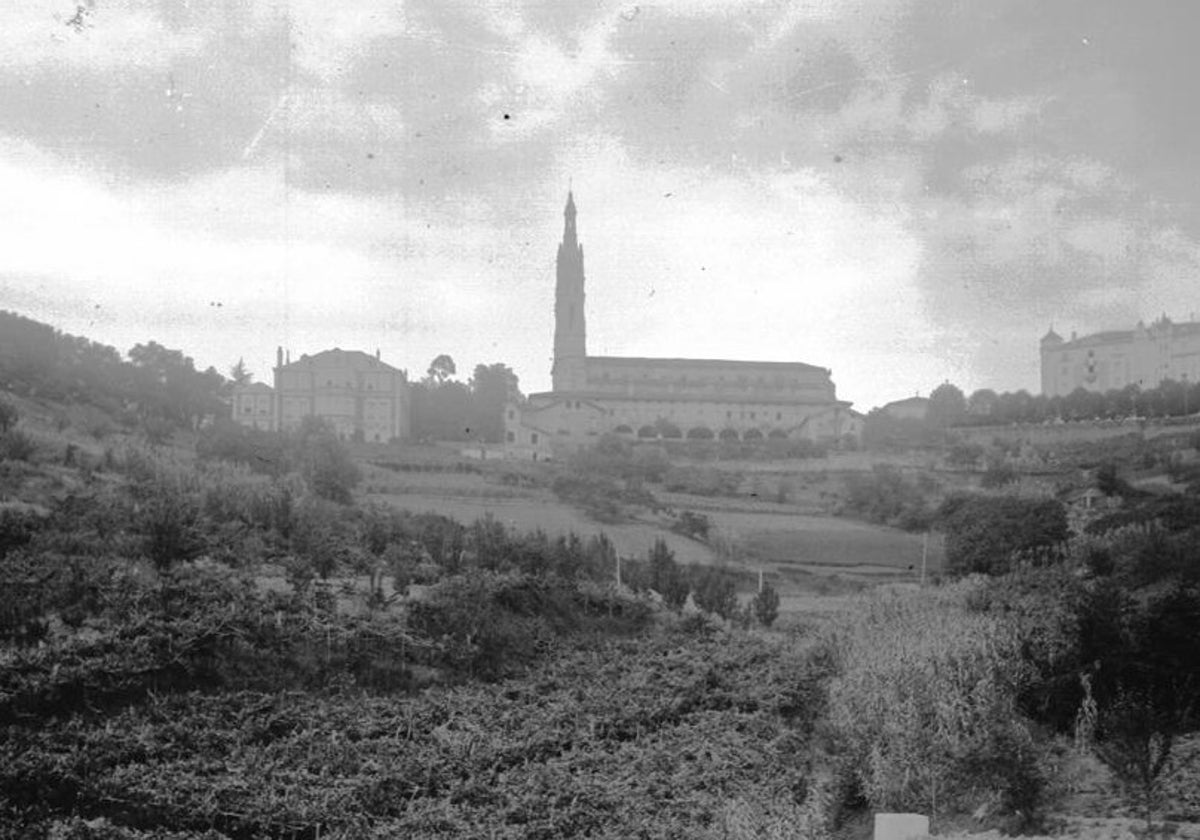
<point>361,397</point>
<point>1145,356</point>
<point>667,398</point>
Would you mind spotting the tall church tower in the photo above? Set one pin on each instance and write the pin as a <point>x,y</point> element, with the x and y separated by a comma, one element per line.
<point>570,354</point>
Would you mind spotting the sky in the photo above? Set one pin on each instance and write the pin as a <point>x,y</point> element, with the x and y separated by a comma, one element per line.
<point>904,192</point>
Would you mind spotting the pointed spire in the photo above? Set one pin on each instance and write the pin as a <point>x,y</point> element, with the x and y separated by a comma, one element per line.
<point>569,235</point>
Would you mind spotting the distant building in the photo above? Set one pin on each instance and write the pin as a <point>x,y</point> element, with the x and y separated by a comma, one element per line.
<point>253,405</point>
<point>1144,356</point>
<point>361,397</point>
<point>669,398</point>
<point>911,408</point>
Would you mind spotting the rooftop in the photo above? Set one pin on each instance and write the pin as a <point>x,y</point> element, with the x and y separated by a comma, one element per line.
<point>337,357</point>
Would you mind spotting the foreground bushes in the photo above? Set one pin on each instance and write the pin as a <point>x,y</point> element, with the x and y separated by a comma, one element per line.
<point>984,533</point>
<point>923,708</point>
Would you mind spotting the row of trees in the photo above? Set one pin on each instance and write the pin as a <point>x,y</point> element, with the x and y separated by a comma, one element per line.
<point>948,406</point>
<point>154,383</point>
<point>447,409</point>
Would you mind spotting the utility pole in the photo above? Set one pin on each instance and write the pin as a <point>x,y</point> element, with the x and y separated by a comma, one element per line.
<point>924,556</point>
<point>618,569</point>
<point>760,581</point>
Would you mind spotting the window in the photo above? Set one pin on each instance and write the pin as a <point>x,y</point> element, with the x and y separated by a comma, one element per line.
<point>510,437</point>
<point>533,437</point>
<point>511,414</point>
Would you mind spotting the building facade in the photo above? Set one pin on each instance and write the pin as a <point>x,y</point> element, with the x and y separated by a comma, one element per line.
<point>253,405</point>
<point>1145,356</point>
<point>667,397</point>
<point>361,397</point>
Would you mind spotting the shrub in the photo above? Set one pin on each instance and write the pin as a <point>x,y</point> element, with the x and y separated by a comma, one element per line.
<point>1134,738</point>
<point>325,463</point>
<point>17,527</point>
<point>984,532</point>
<point>766,605</point>
<point>1044,607</point>
<point>694,525</point>
<point>923,707</point>
<point>715,591</point>
<point>886,497</point>
<point>8,416</point>
<point>702,481</point>
<point>666,578</point>
<point>998,474</point>
<point>16,445</point>
<point>490,625</point>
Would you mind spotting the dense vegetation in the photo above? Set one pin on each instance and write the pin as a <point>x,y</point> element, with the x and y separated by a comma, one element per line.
<point>226,643</point>
<point>155,387</point>
<point>445,409</point>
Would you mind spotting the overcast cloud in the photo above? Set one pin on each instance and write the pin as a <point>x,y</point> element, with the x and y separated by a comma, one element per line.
<point>903,192</point>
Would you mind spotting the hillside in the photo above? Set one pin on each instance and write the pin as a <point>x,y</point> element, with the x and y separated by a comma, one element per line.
<point>221,633</point>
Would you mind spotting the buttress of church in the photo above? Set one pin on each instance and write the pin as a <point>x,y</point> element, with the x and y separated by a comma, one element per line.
<point>663,398</point>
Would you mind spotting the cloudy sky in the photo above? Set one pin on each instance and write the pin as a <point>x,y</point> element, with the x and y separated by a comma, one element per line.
<point>902,191</point>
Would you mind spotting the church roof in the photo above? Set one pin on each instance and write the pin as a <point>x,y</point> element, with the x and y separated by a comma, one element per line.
<point>339,358</point>
<point>639,361</point>
<point>601,398</point>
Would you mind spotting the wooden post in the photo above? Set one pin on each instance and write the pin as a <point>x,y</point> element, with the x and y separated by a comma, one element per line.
<point>924,556</point>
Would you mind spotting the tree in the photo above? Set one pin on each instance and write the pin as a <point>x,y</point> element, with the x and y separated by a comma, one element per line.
<point>982,404</point>
<point>766,605</point>
<point>947,406</point>
<point>443,412</point>
<point>983,533</point>
<point>715,591</point>
<point>239,374</point>
<point>167,385</point>
<point>492,386</point>
<point>324,462</point>
<point>440,370</point>
<point>666,578</point>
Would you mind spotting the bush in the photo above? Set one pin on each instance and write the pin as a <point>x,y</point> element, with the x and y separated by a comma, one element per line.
<point>694,525</point>
<point>491,625</point>
<point>715,591</point>
<point>983,533</point>
<point>702,481</point>
<point>886,497</point>
<point>8,416</point>
<point>16,445</point>
<point>923,707</point>
<point>766,605</point>
<point>666,578</point>
<point>1044,607</point>
<point>325,463</point>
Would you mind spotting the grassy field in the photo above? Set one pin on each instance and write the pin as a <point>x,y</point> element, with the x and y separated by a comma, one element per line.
<point>533,511</point>
<point>829,544</point>
<point>803,552</point>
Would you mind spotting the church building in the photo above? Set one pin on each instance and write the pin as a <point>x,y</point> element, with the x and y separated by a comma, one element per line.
<point>667,398</point>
